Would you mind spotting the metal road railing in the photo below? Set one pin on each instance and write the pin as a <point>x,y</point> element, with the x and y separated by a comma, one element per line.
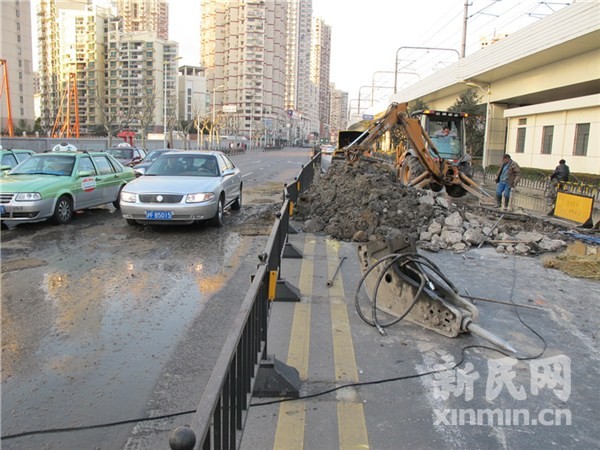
<point>221,414</point>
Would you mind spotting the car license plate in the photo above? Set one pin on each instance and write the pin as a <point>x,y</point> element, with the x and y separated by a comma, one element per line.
<point>159,215</point>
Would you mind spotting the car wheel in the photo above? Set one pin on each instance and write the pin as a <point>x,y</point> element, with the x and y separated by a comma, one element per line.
<point>237,204</point>
<point>117,202</point>
<point>63,211</point>
<point>217,220</point>
<point>132,222</point>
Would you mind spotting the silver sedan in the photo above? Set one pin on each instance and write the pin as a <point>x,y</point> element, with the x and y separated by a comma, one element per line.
<point>183,187</point>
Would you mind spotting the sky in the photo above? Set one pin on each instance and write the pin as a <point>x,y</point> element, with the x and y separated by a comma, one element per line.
<point>366,34</point>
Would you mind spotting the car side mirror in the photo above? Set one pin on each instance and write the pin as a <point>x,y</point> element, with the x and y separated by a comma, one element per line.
<point>228,172</point>
<point>5,168</point>
<point>85,173</point>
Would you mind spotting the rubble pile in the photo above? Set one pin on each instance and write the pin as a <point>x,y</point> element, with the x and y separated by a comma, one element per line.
<point>363,201</point>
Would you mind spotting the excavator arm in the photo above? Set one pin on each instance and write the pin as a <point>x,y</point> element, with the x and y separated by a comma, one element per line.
<point>438,172</point>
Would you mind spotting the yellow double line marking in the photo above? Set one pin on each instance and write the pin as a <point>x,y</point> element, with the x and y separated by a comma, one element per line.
<point>352,430</point>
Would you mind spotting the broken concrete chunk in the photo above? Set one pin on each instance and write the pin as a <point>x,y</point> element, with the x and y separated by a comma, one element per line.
<point>473,236</point>
<point>551,245</point>
<point>522,249</point>
<point>435,228</point>
<point>450,237</point>
<point>426,200</point>
<point>444,203</point>
<point>314,225</point>
<point>454,220</point>
<point>529,236</point>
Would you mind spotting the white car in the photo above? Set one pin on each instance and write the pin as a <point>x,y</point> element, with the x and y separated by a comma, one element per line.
<point>183,187</point>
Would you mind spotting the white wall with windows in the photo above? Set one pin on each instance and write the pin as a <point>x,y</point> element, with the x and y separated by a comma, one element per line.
<point>542,134</point>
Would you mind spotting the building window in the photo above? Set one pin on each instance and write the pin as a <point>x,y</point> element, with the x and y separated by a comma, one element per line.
<point>582,136</point>
<point>547,137</point>
<point>523,121</point>
<point>520,140</point>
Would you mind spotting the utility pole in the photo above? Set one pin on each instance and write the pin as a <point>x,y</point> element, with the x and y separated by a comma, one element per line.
<point>463,47</point>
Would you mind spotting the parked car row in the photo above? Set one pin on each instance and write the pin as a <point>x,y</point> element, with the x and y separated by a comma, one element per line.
<point>172,186</point>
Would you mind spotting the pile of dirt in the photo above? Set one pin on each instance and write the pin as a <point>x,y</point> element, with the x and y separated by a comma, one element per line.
<point>587,266</point>
<point>364,201</point>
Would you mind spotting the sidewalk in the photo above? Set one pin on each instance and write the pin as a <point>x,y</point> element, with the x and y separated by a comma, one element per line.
<point>483,404</point>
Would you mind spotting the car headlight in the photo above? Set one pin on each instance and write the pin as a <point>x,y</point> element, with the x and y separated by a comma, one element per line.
<point>199,197</point>
<point>128,197</point>
<point>28,196</point>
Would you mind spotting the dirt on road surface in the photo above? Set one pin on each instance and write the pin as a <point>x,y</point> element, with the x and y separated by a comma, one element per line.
<point>101,320</point>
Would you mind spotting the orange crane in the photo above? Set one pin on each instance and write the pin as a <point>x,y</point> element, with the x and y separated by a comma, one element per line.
<point>4,86</point>
<point>62,124</point>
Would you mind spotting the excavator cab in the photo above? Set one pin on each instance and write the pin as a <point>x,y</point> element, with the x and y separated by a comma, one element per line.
<point>446,130</point>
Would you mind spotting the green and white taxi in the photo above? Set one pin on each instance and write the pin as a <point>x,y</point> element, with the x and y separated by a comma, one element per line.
<point>9,158</point>
<point>53,185</point>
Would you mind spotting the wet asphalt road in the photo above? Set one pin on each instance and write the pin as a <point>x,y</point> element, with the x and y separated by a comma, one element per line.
<point>103,322</point>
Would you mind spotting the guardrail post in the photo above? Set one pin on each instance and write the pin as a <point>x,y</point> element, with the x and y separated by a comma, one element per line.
<point>291,194</point>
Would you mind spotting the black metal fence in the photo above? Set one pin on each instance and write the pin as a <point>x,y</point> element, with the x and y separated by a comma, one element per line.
<point>539,182</point>
<point>221,414</point>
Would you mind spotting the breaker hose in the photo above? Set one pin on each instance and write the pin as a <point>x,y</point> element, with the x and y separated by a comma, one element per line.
<point>412,262</point>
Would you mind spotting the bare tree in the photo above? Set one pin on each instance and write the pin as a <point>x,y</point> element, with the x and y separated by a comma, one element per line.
<point>215,128</point>
<point>185,126</point>
<point>146,112</point>
<point>202,124</point>
<point>108,119</point>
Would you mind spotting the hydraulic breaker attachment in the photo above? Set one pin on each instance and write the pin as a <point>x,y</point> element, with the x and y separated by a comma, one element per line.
<point>402,284</point>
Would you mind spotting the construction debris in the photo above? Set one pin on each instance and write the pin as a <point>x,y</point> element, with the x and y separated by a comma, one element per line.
<point>363,202</point>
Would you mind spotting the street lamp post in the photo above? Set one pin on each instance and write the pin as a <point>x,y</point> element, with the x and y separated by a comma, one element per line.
<point>486,89</point>
<point>165,64</point>
<point>212,127</point>
<point>417,48</point>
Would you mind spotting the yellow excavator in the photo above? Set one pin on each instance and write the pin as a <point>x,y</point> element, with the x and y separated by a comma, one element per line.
<point>418,161</point>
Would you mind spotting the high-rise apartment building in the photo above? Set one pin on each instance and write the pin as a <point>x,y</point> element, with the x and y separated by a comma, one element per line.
<point>320,69</point>
<point>71,56</point>
<point>144,15</point>
<point>16,51</point>
<point>243,49</point>
<point>299,89</point>
<point>141,82</point>
<point>338,112</point>
<point>123,80</point>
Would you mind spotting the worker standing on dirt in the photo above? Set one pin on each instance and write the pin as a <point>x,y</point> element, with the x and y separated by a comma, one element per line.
<point>508,177</point>
<point>561,173</point>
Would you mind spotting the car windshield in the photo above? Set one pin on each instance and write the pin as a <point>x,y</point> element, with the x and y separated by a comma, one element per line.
<point>185,166</point>
<point>121,153</point>
<point>46,165</point>
<point>154,155</point>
